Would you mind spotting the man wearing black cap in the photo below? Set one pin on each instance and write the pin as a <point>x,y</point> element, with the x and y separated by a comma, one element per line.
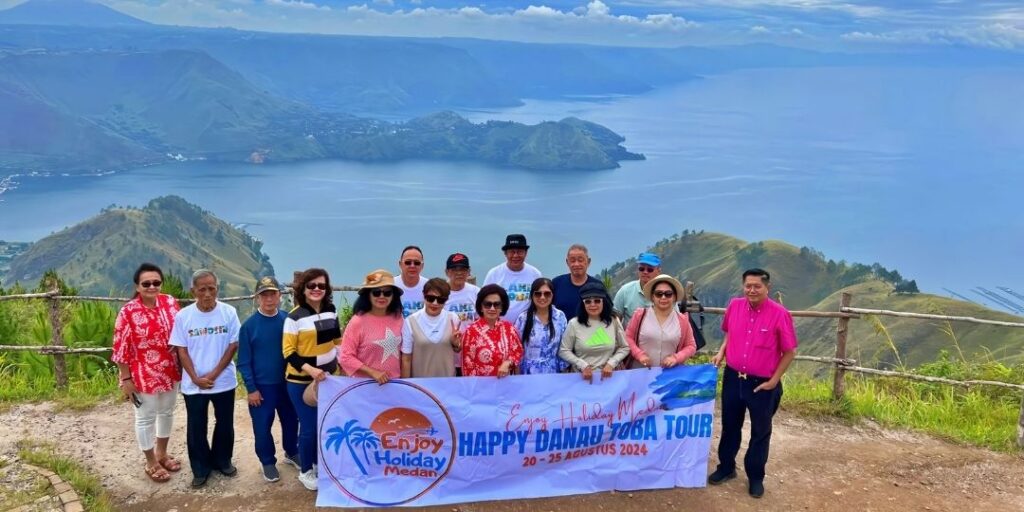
<point>462,300</point>
<point>515,275</point>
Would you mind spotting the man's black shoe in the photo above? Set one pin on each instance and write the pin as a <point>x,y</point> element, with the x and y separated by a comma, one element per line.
<point>199,481</point>
<point>229,471</point>
<point>756,488</point>
<point>720,477</point>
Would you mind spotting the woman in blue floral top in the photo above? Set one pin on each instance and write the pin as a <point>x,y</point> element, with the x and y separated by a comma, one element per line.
<point>541,327</point>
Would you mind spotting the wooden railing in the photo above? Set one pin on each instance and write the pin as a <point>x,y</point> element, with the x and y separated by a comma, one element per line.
<point>840,362</point>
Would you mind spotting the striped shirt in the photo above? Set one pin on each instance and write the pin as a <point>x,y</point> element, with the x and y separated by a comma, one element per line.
<point>312,338</point>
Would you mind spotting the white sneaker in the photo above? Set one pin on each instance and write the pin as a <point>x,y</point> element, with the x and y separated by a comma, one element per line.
<point>308,479</point>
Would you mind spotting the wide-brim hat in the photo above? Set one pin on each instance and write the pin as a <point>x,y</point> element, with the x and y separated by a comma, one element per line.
<point>663,278</point>
<point>379,279</point>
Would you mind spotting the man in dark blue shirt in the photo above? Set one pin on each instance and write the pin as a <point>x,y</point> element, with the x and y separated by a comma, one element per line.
<point>261,363</point>
<point>567,286</point>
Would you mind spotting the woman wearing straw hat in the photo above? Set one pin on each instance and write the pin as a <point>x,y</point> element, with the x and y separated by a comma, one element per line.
<point>659,335</point>
<point>373,338</point>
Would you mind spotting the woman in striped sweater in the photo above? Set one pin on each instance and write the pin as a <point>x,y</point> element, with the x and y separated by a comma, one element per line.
<point>311,338</point>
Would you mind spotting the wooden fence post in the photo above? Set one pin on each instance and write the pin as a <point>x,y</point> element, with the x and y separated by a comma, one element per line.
<point>1020,426</point>
<point>60,368</point>
<point>839,374</point>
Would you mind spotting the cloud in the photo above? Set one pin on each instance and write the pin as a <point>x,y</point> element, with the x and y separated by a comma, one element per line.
<point>298,4</point>
<point>996,35</point>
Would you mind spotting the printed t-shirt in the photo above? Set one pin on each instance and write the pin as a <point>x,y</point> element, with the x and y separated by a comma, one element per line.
<point>207,336</point>
<point>517,284</point>
<point>412,297</point>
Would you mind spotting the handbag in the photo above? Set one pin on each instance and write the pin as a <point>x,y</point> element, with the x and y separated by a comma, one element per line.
<point>309,395</point>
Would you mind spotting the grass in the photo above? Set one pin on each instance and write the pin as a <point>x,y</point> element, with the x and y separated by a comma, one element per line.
<point>11,499</point>
<point>88,487</point>
<point>18,385</point>
<point>976,416</point>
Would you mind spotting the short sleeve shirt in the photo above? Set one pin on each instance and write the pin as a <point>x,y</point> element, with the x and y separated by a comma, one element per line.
<point>141,336</point>
<point>757,337</point>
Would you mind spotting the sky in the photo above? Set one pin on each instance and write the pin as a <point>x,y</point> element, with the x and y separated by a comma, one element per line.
<point>852,25</point>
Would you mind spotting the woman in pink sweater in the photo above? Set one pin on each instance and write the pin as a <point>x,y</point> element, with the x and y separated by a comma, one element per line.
<point>659,335</point>
<point>373,337</point>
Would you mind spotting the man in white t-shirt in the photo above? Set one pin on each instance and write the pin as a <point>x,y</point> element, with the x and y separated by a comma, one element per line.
<point>462,300</point>
<point>206,336</point>
<point>410,265</point>
<point>515,275</point>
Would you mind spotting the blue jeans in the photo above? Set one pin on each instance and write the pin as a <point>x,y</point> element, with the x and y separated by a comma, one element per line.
<point>275,399</point>
<point>307,426</point>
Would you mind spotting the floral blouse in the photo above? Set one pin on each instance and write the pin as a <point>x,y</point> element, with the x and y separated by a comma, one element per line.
<point>542,347</point>
<point>484,348</point>
<point>140,341</point>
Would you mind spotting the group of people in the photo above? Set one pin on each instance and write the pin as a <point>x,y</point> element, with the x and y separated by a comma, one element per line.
<point>409,326</point>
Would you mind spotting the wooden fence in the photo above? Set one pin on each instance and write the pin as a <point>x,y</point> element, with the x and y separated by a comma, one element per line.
<point>840,362</point>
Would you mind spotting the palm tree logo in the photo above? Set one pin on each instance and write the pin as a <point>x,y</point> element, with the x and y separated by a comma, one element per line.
<point>353,435</point>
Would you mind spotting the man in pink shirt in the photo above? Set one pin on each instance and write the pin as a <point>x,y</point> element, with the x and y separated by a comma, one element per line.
<point>760,343</point>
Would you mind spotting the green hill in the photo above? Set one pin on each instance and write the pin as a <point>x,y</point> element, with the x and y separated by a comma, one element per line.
<point>88,110</point>
<point>809,281</point>
<point>99,254</point>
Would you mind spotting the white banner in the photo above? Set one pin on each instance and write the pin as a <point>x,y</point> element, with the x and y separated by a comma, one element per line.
<point>418,442</point>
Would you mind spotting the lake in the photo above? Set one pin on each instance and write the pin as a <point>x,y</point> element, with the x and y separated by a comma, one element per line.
<point>918,169</point>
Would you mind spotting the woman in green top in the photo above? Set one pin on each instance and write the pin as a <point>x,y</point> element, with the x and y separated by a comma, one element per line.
<point>595,338</point>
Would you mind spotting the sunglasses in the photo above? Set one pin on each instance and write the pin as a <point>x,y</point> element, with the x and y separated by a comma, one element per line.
<point>593,300</point>
<point>491,305</point>
<point>412,263</point>
<point>151,284</point>
<point>664,294</point>
<point>435,299</point>
<point>644,268</point>
<point>381,293</point>
<point>542,293</point>
<point>316,286</point>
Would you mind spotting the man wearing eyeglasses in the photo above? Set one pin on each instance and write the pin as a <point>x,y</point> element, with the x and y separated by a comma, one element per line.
<point>515,275</point>
<point>631,295</point>
<point>411,283</point>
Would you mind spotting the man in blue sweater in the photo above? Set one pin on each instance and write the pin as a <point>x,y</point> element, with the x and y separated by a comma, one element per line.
<point>261,363</point>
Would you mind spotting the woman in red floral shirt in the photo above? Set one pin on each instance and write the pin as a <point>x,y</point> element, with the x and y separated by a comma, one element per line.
<point>491,346</point>
<point>148,368</point>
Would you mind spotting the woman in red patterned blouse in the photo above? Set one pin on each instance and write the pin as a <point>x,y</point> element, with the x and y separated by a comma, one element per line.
<point>491,346</point>
<point>148,368</point>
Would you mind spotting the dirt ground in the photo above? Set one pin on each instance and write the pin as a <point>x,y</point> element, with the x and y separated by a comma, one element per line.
<point>814,466</point>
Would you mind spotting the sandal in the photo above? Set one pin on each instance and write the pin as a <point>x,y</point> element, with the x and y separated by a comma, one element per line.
<point>170,463</point>
<point>158,474</point>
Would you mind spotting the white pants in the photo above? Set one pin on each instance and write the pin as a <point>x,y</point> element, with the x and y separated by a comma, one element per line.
<point>155,414</point>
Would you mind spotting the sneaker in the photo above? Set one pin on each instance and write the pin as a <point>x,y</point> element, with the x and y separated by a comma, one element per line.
<point>270,473</point>
<point>756,488</point>
<point>292,460</point>
<point>199,481</point>
<point>720,476</point>
<point>308,479</point>
<point>230,470</point>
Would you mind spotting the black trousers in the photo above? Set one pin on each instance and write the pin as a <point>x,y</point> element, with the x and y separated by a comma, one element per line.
<point>202,456</point>
<point>738,398</point>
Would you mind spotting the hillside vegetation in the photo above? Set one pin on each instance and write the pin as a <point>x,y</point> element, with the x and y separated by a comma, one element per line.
<point>98,255</point>
<point>807,280</point>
